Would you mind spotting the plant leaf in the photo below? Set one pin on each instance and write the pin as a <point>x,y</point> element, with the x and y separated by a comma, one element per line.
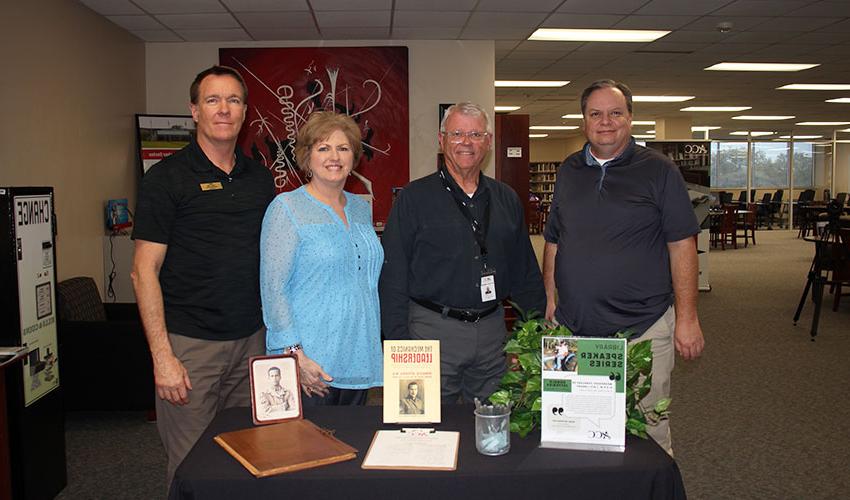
<point>500,397</point>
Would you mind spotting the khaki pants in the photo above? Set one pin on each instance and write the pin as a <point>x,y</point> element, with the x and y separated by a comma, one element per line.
<point>663,359</point>
<point>218,370</point>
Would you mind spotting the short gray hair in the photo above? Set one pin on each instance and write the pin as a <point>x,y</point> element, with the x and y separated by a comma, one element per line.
<point>468,109</point>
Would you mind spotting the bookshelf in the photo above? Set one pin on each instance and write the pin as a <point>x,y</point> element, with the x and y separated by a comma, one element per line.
<point>541,183</point>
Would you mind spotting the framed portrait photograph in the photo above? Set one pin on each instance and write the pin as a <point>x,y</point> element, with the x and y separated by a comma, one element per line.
<point>275,389</point>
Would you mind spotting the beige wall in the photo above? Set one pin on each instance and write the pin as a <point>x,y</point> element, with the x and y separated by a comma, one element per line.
<point>440,72</point>
<point>71,84</point>
<point>555,149</point>
<point>842,169</point>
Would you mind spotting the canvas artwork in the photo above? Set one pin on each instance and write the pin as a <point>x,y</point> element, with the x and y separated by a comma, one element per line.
<point>370,84</point>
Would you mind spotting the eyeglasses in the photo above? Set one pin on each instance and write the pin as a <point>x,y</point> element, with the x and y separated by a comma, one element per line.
<point>456,136</point>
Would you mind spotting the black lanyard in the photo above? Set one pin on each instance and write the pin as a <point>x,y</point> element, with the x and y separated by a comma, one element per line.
<point>479,228</point>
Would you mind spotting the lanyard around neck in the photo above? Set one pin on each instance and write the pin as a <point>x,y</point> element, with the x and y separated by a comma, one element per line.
<point>479,228</point>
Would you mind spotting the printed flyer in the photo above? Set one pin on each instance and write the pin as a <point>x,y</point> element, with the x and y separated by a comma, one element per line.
<point>411,381</point>
<point>584,396</point>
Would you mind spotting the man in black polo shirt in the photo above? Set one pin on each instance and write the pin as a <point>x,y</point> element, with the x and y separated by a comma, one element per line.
<point>196,268</point>
<point>620,243</point>
<point>455,246</point>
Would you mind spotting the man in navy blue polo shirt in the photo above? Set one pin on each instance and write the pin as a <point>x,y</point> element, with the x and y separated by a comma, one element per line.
<point>620,246</point>
<point>196,268</point>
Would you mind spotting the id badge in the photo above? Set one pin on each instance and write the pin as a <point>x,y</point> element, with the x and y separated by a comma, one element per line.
<point>488,285</point>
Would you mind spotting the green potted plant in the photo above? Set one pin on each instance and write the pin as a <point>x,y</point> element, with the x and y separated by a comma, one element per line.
<point>520,386</point>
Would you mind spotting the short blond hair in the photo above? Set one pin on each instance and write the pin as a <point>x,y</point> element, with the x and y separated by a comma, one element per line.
<point>319,126</point>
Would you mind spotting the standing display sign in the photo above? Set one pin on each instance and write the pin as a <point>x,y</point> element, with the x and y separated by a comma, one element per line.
<point>584,393</point>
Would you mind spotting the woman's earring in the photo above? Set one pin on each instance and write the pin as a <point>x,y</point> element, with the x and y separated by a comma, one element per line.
<point>309,174</point>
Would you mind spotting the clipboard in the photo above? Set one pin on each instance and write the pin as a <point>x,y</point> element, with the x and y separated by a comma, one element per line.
<point>285,447</point>
<point>413,449</point>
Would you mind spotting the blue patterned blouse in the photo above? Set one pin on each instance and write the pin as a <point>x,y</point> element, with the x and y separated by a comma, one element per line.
<point>319,285</point>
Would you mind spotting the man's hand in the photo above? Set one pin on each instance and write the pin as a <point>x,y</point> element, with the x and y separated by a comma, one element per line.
<point>172,379</point>
<point>688,339</point>
<point>550,311</point>
<point>313,377</point>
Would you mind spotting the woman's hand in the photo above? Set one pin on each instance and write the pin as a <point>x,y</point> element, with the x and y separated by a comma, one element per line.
<point>313,377</point>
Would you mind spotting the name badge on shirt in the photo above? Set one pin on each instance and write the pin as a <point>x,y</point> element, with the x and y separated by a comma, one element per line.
<point>211,186</point>
<point>488,286</point>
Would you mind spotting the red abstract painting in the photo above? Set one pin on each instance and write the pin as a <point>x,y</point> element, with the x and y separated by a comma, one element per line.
<point>369,84</point>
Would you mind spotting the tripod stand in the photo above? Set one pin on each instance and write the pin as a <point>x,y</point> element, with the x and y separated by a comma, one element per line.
<point>831,256</point>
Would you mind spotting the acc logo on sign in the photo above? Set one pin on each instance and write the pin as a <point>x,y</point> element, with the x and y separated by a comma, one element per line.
<point>598,434</point>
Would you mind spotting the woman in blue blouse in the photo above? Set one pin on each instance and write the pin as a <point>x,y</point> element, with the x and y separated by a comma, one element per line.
<point>319,268</point>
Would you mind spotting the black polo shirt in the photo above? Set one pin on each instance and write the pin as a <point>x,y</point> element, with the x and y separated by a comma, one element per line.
<point>430,252</point>
<point>211,223</point>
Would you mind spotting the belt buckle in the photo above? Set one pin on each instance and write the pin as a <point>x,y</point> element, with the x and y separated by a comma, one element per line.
<point>470,316</point>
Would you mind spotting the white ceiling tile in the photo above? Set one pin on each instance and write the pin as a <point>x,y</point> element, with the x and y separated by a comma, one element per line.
<point>709,23</point>
<point>428,19</point>
<point>436,5</point>
<point>304,33</point>
<point>136,23</point>
<point>112,7</point>
<point>762,37</point>
<point>264,20</point>
<point>265,5</point>
<point>505,45</point>
<point>821,38</point>
<point>687,36</point>
<point>799,24</point>
<point>839,8</point>
<point>680,7</point>
<point>537,55</point>
<point>362,18</point>
<point>654,22</point>
<point>351,5</point>
<point>157,36</point>
<point>214,35</point>
<point>501,33</point>
<point>498,20</point>
<point>758,8</point>
<point>581,21</point>
<point>534,46</point>
<point>597,7</point>
<point>515,6</point>
<point>426,33</point>
<point>198,21</point>
<point>355,33</point>
<point>179,7</point>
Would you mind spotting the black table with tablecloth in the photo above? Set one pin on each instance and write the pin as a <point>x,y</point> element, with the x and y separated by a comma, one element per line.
<point>643,471</point>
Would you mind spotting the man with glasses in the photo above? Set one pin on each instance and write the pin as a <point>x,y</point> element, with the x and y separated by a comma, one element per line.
<point>620,245</point>
<point>455,247</point>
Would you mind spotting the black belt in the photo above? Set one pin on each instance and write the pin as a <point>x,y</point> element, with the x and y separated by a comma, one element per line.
<point>466,315</point>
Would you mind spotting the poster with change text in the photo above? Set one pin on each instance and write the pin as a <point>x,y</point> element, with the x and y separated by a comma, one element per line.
<point>584,393</point>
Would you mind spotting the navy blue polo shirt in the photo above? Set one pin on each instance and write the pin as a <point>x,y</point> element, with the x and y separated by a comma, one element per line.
<point>612,225</point>
<point>211,223</point>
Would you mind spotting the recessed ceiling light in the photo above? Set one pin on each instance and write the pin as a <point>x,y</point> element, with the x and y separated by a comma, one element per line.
<point>822,124</point>
<point>588,35</point>
<point>643,122</point>
<point>762,117</point>
<point>553,127</point>
<point>573,116</point>
<point>530,83</point>
<point>644,136</point>
<point>840,100</point>
<point>703,128</point>
<point>662,98</point>
<point>800,137</point>
<point>815,86</point>
<point>537,136</point>
<point>845,130</point>
<point>505,109</point>
<point>753,133</point>
<point>732,66</point>
<point>717,108</point>
<point>650,132</point>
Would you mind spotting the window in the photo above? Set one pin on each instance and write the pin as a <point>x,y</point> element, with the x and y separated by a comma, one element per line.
<point>729,164</point>
<point>804,165</point>
<point>770,164</point>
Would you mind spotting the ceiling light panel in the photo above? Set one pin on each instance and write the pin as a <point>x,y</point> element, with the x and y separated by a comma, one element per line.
<point>735,66</point>
<point>815,86</point>
<point>822,124</point>
<point>721,109</point>
<point>590,35</point>
<point>763,117</point>
<point>531,83</point>
<point>662,98</point>
<point>553,127</point>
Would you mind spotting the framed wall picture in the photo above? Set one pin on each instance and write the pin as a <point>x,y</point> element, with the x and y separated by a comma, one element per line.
<point>275,389</point>
<point>160,136</point>
<point>369,84</point>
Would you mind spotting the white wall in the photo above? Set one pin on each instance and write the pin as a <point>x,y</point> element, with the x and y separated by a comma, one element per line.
<point>554,150</point>
<point>440,72</point>
<point>71,85</point>
<point>842,169</point>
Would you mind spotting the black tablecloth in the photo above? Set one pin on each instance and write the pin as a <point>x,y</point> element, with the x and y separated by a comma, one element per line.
<point>527,471</point>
